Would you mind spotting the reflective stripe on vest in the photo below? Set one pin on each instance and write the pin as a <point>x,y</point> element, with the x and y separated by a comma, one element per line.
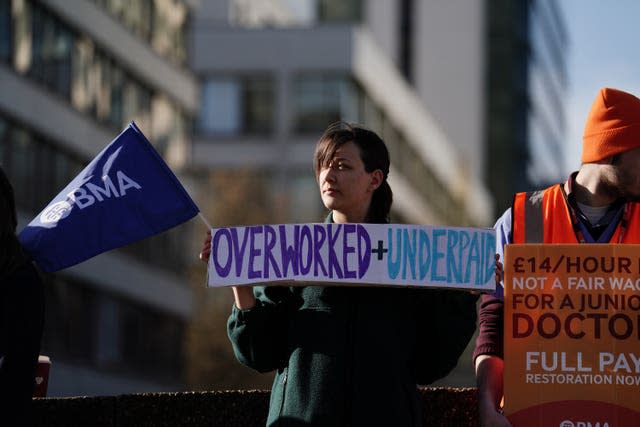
<point>533,218</point>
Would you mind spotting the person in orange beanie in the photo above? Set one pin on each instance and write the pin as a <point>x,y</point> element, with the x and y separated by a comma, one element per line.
<point>597,204</point>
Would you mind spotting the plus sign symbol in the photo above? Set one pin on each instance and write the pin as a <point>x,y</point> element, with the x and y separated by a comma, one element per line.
<point>380,250</point>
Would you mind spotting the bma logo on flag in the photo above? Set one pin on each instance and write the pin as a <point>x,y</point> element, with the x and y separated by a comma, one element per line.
<point>56,212</point>
<point>87,194</point>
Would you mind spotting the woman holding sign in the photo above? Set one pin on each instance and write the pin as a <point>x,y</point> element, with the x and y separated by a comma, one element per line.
<point>21,317</point>
<point>349,355</point>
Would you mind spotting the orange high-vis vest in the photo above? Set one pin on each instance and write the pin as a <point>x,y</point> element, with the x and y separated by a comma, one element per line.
<point>543,217</point>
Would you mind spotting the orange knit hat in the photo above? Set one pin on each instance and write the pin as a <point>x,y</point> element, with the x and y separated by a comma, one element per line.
<point>613,125</point>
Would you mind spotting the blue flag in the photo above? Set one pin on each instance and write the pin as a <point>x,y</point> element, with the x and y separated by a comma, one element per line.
<point>126,193</point>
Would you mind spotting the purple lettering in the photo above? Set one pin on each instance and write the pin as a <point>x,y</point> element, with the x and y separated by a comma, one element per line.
<point>269,243</point>
<point>238,250</point>
<point>346,250</point>
<point>221,271</point>
<point>319,236</point>
<point>364,250</point>
<point>333,258</point>
<point>289,253</point>
<point>305,234</point>
<point>254,252</point>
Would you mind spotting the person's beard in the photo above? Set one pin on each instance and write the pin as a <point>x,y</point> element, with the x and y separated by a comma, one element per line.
<point>625,184</point>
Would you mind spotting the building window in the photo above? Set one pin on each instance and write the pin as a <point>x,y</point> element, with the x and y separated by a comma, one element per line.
<point>339,10</point>
<point>84,81</point>
<point>237,105</point>
<point>169,18</point>
<point>321,99</point>
<point>4,142</point>
<point>21,14</point>
<point>22,167</point>
<point>303,198</point>
<point>51,52</point>
<point>5,31</point>
<point>162,23</point>
<point>109,332</point>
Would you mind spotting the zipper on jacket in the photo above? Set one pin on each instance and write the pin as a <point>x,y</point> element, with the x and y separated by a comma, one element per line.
<point>284,388</point>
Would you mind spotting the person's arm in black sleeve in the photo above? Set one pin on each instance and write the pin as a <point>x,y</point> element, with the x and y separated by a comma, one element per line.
<point>441,340</point>
<point>259,334</point>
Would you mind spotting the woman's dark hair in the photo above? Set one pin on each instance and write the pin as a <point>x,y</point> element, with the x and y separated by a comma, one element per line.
<point>11,254</point>
<point>374,155</point>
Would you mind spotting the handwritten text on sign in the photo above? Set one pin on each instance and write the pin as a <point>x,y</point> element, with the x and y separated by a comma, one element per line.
<point>383,254</point>
<point>572,334</point>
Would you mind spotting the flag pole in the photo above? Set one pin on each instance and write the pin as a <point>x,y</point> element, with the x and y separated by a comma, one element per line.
<point>205,220</point>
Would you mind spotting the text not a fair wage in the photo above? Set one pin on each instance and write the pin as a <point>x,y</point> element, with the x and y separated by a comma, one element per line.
<point>593,283</point>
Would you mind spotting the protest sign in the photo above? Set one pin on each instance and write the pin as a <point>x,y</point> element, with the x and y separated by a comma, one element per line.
<point>374,254</point>
<point>572,335</point>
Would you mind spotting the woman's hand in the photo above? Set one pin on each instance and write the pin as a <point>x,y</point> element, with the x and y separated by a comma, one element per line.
<point>243,295</point>
<point>205,252</point>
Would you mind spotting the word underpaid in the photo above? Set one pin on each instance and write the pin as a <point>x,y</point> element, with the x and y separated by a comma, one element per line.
<point>353,254</point>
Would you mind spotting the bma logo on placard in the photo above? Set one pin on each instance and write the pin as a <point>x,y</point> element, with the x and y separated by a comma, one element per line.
<point>567,423</point>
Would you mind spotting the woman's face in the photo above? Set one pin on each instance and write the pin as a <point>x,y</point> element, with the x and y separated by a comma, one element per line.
<point>345,187</point>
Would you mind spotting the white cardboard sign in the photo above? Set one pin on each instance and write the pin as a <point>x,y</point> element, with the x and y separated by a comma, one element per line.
<point>353,254</point>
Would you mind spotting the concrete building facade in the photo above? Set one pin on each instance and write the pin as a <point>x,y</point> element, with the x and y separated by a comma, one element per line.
<point>73,73</point>
<point>274,78</point>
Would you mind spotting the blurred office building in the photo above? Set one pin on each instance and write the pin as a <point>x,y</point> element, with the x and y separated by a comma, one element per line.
<point>73,73</point>
<point>467,95</point>
<point>526,88</point>
<point>234,94</point>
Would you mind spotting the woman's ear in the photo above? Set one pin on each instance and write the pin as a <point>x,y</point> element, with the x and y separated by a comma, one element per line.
<point>376,179</point>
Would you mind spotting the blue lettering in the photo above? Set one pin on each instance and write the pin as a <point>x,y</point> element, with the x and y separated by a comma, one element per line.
<point>409,249</point>
<point>472,257</point>
<point>490,264</point>
<point>436,255</point>
<point>424,253</point>
<point>393,267</point>
<point>453,272</point>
